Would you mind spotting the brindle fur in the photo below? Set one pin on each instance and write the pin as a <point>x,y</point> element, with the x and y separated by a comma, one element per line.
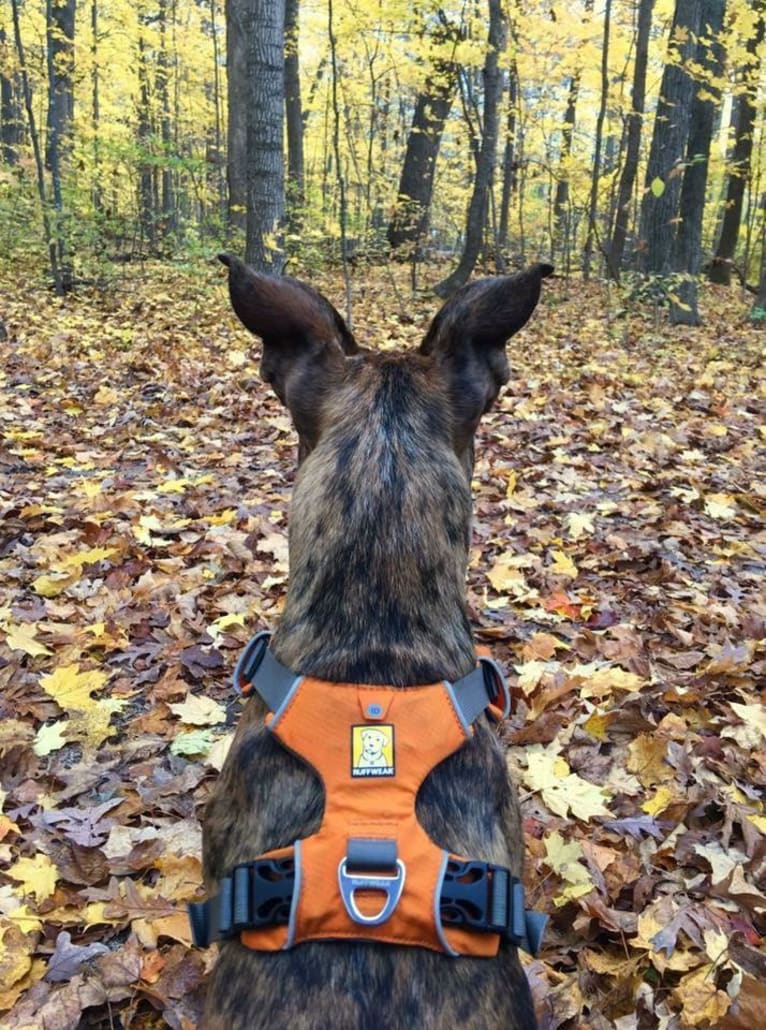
<point>379,536</point>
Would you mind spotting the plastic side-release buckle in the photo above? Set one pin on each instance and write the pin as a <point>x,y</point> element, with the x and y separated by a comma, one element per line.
<point>249,662</point>
<point>255,894</point>
<point>496,686</point>
<point>486,898</point>
<point>361,869</point>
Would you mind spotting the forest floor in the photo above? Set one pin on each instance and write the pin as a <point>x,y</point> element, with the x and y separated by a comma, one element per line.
<point>617,572</point>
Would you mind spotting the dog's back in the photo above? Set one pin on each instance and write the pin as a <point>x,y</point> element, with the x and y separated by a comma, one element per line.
<point>379,535</point>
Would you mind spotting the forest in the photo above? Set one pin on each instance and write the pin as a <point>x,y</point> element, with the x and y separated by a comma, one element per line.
<point>386,153</point>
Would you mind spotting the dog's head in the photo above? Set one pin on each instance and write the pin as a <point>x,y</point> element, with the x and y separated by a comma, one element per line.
<point>311,357</point>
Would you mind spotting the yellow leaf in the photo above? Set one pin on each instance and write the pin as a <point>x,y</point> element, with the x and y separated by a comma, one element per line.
<point>92,725</point>
<point>105,395</point>
<point>511,487</point>
<point>564,857</point>
<point>37,876</point>
<point>562,791</point>
<point>26,920</point>
<point>225,621</point>
<point>15,955</point>
<point>89,557</point>
<point>175,926</point>
<point>530,673</point>
<point>70,688</point>
<point>50,738</point>
<point>223,518</point>
<point>579,523</point>
<point>198,710</point>
<point>701,1002</point>
<point>505,577</point>
<point>662,799</point>
<point>22,638</point>
<point>216,756</point>
<point>720,506</point>
<point>597,724</point>
<point>54,584</point>
<point>563,565</point>
<point>646,758</point>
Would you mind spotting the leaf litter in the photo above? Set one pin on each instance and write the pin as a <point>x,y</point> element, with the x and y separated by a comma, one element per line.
<point>616,572</point>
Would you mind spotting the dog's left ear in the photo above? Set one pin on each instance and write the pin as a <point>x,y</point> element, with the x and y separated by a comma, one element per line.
<point>305,340</point>
<point>467,339</point>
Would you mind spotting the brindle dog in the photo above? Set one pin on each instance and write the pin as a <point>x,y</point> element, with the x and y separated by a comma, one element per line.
<point>379,537</point>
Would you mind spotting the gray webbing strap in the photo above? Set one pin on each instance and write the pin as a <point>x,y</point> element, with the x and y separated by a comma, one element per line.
<point>257,667</point>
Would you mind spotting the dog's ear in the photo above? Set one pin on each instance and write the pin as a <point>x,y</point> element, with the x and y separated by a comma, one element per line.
<point>305,340</point>
<point>467,339</point>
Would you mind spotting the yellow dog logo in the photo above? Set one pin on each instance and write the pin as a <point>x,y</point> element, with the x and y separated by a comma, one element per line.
<point>372,750</point>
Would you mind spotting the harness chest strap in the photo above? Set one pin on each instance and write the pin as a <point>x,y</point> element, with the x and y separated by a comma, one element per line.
<point>370,872</point>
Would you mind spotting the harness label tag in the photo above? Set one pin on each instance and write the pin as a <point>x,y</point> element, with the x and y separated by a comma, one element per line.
<point>372,750</point>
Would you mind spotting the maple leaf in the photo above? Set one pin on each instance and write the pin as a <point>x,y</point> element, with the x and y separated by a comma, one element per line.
<point>37,875</point>
<point>23,638</point>
<point>198,710</point>
<point>50,738</point>
<point>72,689</point>
<point>562,790</point>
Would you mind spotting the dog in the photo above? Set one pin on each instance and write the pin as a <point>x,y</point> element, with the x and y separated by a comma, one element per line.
<point>379,535</point>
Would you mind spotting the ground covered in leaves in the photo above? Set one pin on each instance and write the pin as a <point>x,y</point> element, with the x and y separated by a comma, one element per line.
<point>617,573</point>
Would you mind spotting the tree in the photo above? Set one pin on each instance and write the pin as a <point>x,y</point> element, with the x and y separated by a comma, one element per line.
<point>485,161</point>
<point>596,173</point>
<point>743,128</point>
<point>662,192</point>
<point>60,20</point>
<point>11,129</point>
<point>687,249</point>
<point>633,140</point>
<point>240,24</point>
<point>432,107</point>
<point>293,114</point>
<point>264,155</point>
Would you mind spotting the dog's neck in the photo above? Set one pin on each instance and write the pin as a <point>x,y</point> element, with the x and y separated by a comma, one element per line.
<point>379,535</point>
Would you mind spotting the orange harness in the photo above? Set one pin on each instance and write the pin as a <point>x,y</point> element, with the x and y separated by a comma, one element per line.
<point>370,872</point>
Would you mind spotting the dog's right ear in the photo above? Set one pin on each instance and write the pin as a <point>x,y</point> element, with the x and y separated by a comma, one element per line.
<point>305,340</point>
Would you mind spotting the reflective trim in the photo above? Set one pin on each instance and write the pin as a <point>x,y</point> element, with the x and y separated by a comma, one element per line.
<point>437,909</point>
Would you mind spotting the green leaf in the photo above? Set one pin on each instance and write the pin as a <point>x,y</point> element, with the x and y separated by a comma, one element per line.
<point>657,187</point>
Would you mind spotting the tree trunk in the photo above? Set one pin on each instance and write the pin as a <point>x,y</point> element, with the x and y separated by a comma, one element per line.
<point>687,251</point>
<point>510,160</point>
<point>166,125</point>
<point>659,207</point>
<point>265,123</point>
<point>58,283</point>
<point>633,142</point>
<point>485,165</point>
<point>743,123</point>
<point>432,107</point>
<point>596,173</point>
<point>60,56</point>
<point>11,125</point>
<point>60,59</point>
<point>293,116</point>
<point>239,30</point>
<point>146,195</point>
<point>561,226</point>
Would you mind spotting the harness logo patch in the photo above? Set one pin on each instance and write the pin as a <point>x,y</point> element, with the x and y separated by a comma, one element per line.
<point>372,750</point>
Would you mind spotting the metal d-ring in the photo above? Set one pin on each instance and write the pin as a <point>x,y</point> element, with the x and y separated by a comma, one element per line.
<point>391,886</point>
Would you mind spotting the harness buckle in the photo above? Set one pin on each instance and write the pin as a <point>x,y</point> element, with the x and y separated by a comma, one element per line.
<point>482,897</point>
<point>249,662</point>
<point>389,885</point>
<point>496,685</point>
